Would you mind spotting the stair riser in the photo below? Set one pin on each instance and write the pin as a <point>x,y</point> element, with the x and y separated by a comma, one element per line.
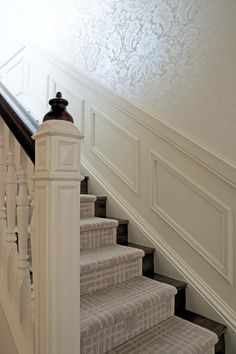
<point>84,186</point>
<point>101,207</point>
<point>135,322</point>
<point>220,346</point>
<point>148,264</point>
<point>108,277</point>
<point>87,209</point>
<point>122,234</point>
<point>97,238</point>
<point>180,302</point>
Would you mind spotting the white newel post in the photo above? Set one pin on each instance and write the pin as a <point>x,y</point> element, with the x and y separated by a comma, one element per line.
<point>57,238</point>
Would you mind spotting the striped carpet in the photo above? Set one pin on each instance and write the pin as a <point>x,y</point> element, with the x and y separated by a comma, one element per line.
<point>123,312</point>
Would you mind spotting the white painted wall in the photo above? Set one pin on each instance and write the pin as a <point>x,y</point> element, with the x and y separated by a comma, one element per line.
<point>174,58</point>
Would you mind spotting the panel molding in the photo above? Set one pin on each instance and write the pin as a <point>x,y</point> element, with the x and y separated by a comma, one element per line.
<point>34,94</point>
<point>225,269</point>
<point>19,61</point>
<point>191,276</point>
<point>133,184</point>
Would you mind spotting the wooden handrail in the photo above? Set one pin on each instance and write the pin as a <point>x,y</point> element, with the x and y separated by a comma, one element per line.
<point>19,121</point>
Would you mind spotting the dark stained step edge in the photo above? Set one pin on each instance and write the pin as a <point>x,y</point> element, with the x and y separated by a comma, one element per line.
<point>180,297</point>
<point>84,185</point>
<point>180,310</point>
<point>122,231</point>
<point>218,328</point>
<point>148,259</point>
<point>202,321</point>
<point>101,206</point>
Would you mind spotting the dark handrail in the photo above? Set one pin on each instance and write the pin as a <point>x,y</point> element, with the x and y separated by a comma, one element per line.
<point>19,121</point>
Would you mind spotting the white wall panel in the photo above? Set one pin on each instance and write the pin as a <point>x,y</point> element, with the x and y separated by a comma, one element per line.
<point>202,220</point>
<point>116,147</point>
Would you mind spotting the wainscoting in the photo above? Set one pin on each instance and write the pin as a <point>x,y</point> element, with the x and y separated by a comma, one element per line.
<point>179,194</point>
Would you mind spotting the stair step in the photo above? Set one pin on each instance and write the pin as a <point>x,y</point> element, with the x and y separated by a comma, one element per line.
<point>101,206</point>
<point>122,231</point>
<point>148,259</point>
<point>180,310</point>
<point>180,297</point>
<point>97,232</point>
<point>109,317</point>
<point>218,328</point>
<point>104,267</point>
<point>174,335</point>
<point>87,205</point>
<point>84,185</point>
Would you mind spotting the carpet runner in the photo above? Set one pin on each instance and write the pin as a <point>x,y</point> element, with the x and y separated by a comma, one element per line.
<point>123,312</point>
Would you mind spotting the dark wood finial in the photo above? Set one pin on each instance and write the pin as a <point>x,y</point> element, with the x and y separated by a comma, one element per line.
<point>58,109</point>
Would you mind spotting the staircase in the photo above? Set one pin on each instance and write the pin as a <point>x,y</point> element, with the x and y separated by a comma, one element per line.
<point>125,306</point>
<point>122,306</point>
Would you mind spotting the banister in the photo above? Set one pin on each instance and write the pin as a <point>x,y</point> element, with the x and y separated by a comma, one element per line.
<point>21,124</point>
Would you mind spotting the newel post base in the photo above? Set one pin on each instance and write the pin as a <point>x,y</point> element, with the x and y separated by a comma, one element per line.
<point>57,238</point>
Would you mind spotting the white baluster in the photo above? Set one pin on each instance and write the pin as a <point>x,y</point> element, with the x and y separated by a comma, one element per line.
<point>23,293</point>
<point>32,235</point>
<point>10,237</point>
<point>33,257</point>
<point>2,191</point>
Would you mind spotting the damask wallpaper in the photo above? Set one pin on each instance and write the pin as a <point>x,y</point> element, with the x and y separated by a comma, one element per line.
<point>174,58</point>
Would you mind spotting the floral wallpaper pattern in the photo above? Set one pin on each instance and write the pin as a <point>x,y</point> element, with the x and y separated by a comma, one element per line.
<point>174,58</point>
<point>133,45</point>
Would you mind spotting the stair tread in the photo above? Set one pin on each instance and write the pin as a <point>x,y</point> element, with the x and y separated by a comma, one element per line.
<point>173,335</point>
<point>105,306</point>
<point>87,198</point>
<point>108,256</point>
<point>101,197</point>
<point>94,223</point>
<point>179,284</point>
<point>120,221</point>
<point>202,321</point>
<point>147,250</point>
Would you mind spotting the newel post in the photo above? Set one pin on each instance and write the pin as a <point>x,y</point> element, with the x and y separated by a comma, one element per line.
<point>57,233</point>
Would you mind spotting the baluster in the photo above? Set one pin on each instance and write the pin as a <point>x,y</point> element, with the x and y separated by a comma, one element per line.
<point>2,191</point>
<point>10,239</point>
<point>23,293</point>
<point>32,232</point>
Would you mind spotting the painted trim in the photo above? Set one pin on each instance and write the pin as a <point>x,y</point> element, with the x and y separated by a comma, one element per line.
<point>220,165</point>
<point>208,294</point>
<point>225,269</point>
<point>133,184</point>
<point>14,65</point>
